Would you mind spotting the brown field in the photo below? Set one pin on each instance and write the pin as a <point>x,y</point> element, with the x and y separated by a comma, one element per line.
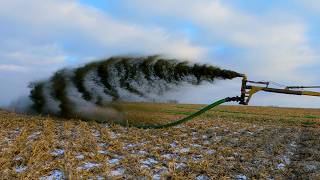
<point>228,142</point>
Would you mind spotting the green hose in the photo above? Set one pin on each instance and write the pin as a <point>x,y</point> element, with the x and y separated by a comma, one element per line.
<point>188,118</point>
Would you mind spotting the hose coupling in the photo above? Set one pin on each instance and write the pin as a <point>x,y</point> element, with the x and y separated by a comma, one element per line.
<point>231,99</point>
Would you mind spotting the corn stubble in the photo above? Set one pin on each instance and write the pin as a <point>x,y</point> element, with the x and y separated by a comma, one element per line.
<point>227,142</point>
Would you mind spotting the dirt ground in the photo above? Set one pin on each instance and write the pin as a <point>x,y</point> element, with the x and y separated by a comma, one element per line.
<point>229,142</point>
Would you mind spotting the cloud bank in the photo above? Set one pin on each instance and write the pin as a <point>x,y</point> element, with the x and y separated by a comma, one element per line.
<point>39,37</point>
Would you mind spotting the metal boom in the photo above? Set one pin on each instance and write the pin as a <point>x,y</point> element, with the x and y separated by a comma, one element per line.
<point>247,90</point>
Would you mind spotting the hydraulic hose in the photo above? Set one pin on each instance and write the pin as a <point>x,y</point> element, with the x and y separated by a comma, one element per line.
<point>190,117</point>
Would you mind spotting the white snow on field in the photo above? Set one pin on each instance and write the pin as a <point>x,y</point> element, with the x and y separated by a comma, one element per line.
<point>310,167</point>
<point>55,175</point>
<point>34,135</point>
<point>103,144</point>
<point>13,134</point>
<point>117,172</point>
<point>18,158</point>
<point>286,159</point>
<point>57,152</point>
<point>114,161</point>
<point>241,177</point>
<point>174,144</point>
<point>168,156</point>
<point>96,133</point>
<point>149,162</point>
<point>197,157</point>
<point>202,177</point>
<point>103,152</point>
<point>88,165</point>
<point>156,177</point>
<point>281,166</point>
<point>127,146</point>
<point>113,135</point>
<point>196,145</point>
<point>293,144</point>
<point>217,138</point>
<point>157,174</point>
<point>180,166</point>
<point>142,152</point>
<point>100,178</point>
<point>183,150</point>
<point>80,156</point>
<point>21,168</point>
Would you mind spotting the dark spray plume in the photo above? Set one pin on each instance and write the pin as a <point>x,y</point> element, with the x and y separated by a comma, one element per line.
<point>88,92</point>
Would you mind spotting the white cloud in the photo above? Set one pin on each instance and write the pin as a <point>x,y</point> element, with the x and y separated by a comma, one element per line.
<point>37,37</point>
<point>29,54</point>
<point>87,28</point>
<point>12,68</point>
<point>271,44</point>
<point>313,5</point>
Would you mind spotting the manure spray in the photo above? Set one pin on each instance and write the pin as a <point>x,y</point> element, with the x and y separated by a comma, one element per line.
<point>89,92</point>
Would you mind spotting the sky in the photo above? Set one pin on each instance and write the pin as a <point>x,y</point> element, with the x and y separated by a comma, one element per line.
<point>268,40</point>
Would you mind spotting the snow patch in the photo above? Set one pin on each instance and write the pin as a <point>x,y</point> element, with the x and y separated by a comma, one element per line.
<point>88,165</point>
<point>157,174</point>
<point>34,135</point>
<point>241,177</point>
<point>18,158</point>
<point>129,146</point>
<point>142,152</point>
<point>114,161</point>
<point>103,144</point>
<point>202,177</point>
<point>117,172</point>
<point>96,133</point>
<point>281,166</point>
<point>21,168</point>
<point>184,150</point>
<point>113,135</point>
<point>57,152</point>
<point>149,162</point>
<point>196,145</point>
<point>167,156</point>
<point>174,144</point>
<point>80,156</point>
<point>180,166</point>
<point>55,175</point>
<point>197,157</point>
<point>13,134</point>
<point>103,152</point>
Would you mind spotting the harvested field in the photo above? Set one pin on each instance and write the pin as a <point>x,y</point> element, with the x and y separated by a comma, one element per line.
<point>234,142</point>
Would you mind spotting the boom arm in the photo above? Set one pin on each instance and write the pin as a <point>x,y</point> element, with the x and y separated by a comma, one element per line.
<point>247,90</point>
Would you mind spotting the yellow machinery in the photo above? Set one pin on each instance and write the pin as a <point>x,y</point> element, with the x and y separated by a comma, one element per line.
<point>249,88</point>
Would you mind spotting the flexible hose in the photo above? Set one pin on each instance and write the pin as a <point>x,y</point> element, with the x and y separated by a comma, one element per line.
<point>190,117</point>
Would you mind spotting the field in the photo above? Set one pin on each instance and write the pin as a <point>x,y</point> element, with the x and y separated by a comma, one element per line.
<point>228,142</point>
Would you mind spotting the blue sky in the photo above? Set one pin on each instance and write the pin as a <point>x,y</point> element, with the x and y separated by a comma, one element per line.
<point>266,39</point>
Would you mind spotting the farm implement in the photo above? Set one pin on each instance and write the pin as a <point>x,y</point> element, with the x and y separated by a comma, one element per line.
<point>248,89</point>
